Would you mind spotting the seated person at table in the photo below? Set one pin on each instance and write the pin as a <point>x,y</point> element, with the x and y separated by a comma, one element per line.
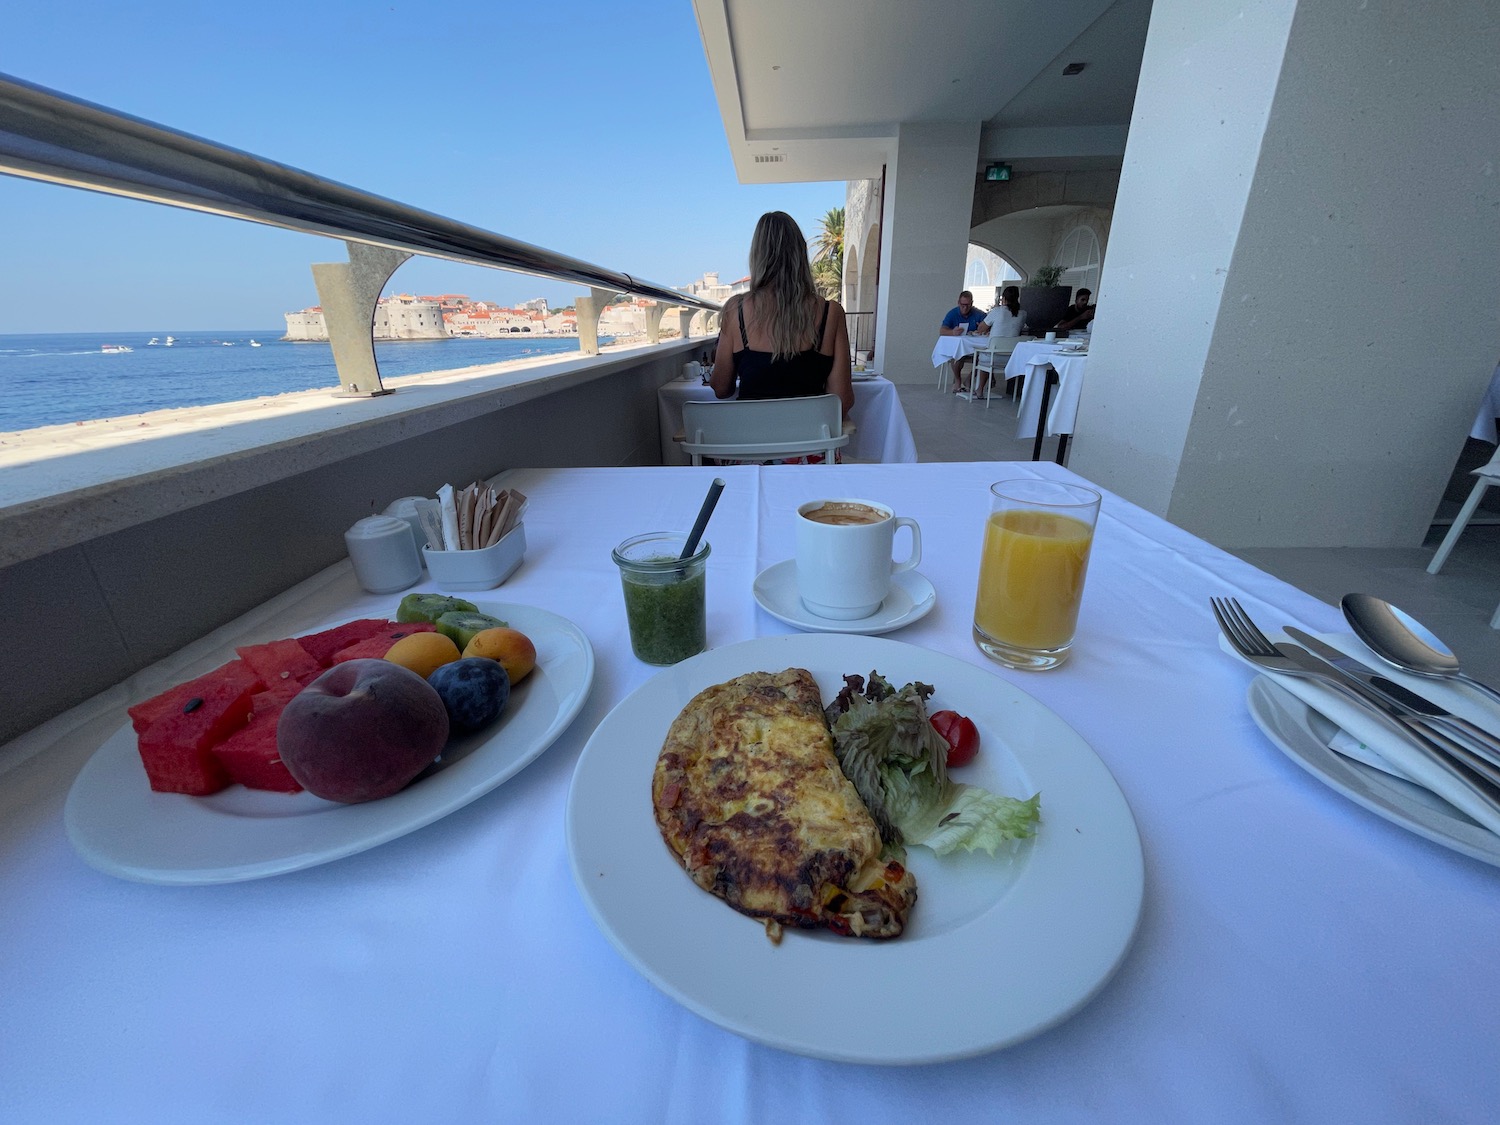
<point>781,340</point>
<point>962,319</point>
<point>1006,318</point>
<point>963,316</point>
<point>1079,313</point>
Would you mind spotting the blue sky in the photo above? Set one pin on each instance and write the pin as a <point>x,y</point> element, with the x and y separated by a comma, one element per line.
<point>587,128</point>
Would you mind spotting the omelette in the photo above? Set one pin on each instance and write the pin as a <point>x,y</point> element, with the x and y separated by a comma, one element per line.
<point>750,798</point>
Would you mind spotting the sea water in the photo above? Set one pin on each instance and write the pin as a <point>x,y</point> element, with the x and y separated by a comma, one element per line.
<point>46,380</point>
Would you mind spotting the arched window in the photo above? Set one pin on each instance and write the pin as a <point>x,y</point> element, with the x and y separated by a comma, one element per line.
<point>1079,257</point>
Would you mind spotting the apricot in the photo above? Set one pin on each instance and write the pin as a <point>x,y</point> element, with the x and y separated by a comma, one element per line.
<point>511,647</point>
<point>423,653</point>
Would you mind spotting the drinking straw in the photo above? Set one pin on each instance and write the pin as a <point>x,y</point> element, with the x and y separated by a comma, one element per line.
<point>703,513</point>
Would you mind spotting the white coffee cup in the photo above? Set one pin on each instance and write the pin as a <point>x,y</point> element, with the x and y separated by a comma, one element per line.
<point>844,568</point>
<point>1051,337</point>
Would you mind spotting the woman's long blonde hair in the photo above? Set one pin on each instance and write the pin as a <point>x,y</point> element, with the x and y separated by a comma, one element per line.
<point>781,282</point>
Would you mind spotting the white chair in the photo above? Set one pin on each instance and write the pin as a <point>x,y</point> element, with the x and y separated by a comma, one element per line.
<point>763,429</point>
<point>988,362</point>
<point>1489,477</point>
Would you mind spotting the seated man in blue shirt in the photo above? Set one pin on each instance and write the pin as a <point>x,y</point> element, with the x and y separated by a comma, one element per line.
<point>965,318</point>
<point>965,315</point>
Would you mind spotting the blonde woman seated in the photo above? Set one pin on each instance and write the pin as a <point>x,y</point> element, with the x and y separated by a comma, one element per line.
<point>781,340</point>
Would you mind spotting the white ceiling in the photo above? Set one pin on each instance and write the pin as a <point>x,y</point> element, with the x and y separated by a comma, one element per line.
<point>817,88</point>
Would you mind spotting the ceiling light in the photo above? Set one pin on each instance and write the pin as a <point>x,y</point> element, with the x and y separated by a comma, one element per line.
<point>1073,68</point>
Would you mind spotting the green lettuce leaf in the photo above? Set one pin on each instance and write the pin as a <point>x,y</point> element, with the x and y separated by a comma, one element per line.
<point>898,763</point>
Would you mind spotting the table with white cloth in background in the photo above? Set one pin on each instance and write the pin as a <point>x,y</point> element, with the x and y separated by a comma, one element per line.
<point>1062,407</point>
<point>951,349</point>
<point>1297,958</point>
<point>881,431</point>
<point>1489,410</point>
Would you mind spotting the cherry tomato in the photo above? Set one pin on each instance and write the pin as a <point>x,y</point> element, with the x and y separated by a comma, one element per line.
<point>961,735</point>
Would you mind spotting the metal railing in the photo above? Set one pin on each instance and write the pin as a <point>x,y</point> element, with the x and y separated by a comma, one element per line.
<point>48,136</point>
<point>861,331</point>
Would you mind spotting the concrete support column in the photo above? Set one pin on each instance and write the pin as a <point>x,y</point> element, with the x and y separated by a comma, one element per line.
<point>588,309</point>
<point>924,239</point>
<point>1308,205</point>
<point>653,321</point>
<point>685,321</point>
<point>348,292</point>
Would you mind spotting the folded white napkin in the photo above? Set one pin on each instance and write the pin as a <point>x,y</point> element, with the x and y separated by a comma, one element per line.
<point>1403,759</point>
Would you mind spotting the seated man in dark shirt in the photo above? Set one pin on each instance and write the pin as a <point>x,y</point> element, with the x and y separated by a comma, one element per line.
<point>1079,313</point>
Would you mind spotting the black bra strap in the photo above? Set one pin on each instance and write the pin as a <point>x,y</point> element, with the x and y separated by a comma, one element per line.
<point>822,324</point>
<point>744,336</point>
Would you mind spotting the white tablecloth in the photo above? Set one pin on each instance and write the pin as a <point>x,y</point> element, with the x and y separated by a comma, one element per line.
<point>1298,959</point>
<point>1489,410</point>
<point>1062,408</point>
<point>949,348</point>
<point>881,432</point>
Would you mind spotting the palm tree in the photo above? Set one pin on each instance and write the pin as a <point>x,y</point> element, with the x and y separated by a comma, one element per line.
<point>828,253</point>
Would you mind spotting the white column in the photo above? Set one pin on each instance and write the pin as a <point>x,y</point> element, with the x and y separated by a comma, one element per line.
<point>929,199</point>
<point>1302,270</point>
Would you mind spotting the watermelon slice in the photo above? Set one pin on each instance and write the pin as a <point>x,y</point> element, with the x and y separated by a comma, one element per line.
<point>276,661</point>
<point>249,754</point>
<point>175,747</point>
<point>377,646</point>
<point>322,646</point>
<point>143,714</point>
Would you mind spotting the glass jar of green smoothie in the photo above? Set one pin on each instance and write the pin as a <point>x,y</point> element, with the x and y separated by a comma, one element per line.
<point>664,596</point>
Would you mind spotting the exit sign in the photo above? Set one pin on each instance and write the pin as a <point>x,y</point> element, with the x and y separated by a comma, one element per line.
<point>997,172</point>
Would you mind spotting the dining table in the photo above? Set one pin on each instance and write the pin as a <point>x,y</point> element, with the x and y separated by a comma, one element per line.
<point>950,349</point>
<point>880,431</point>
<point>1070,361</point>
<point>1276,952</point>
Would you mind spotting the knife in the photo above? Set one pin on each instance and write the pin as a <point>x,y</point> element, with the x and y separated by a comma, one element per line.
<point>1482,741</point>
<point>1477,775</point>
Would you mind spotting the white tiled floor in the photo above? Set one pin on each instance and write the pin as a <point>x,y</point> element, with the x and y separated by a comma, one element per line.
<point>1456,604</point>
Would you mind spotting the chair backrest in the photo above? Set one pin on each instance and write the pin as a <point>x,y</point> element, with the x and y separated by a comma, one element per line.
<point>764,428</point>
<point>1004,345</point>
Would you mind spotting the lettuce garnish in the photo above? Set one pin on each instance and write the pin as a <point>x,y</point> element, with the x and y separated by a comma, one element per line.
<point>898,763</point>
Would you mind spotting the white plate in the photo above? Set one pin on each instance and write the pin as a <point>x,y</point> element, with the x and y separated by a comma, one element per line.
<point>119,825</point>
<point>912,596</point>
<point>996,950</point>
<point>864,376</point>
<point>1302,734</point>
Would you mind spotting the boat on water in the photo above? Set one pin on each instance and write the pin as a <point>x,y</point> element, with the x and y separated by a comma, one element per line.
<point>227,343</point>
<point>255,343</point>
<point>113,349</point>
<point>151,343</point>
<point>171,340</point>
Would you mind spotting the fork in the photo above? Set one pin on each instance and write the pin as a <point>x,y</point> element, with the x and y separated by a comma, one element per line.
<point>1453,759</point>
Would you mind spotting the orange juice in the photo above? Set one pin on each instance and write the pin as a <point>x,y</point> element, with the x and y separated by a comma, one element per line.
<point>1031,578</point>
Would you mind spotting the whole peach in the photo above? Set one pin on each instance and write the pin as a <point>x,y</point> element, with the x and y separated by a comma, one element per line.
<point>362,730</point>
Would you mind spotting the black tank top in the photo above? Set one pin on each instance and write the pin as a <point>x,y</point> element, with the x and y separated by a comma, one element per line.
<point>761,376</point>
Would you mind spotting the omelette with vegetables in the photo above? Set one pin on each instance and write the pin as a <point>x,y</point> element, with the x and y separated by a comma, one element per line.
<point>749,796</point>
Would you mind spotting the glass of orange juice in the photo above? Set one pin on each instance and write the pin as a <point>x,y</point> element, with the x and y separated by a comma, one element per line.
<point>1036,553</point>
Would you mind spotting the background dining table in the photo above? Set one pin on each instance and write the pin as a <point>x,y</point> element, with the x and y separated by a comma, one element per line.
<point>881,431</point>
<point>1062,406</point>
<point>1297,959</point>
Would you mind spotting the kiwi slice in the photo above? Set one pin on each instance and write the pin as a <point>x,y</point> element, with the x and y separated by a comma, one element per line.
<point>429,607</point>
<point>461,625</point>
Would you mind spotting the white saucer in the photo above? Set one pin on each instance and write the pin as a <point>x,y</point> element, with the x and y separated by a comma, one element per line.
<point>864,376</point>
<point>911,597</point>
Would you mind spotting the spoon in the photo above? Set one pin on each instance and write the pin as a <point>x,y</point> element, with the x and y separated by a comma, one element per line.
<point>1401,641</point>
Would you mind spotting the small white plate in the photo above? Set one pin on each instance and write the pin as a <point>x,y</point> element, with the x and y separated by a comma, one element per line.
<point>864,376</point>
<point>1302,734</point>
<point>910,599</point>
<point>118,824</point>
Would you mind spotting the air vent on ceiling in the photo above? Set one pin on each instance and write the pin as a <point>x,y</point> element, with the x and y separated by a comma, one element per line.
<point>770,158</point>
<point>1073,68</point>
